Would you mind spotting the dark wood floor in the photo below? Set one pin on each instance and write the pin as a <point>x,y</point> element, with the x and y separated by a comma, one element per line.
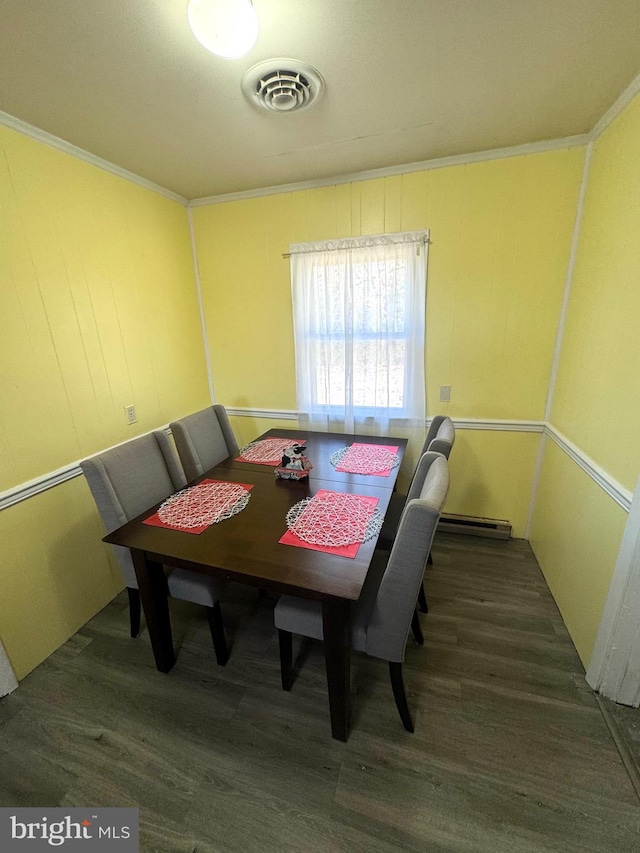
<point>624,725</point>
<point>511,751</point>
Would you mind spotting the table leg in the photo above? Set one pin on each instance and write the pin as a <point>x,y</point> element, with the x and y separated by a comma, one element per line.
<point>153,593</point>
<point>336,614</point>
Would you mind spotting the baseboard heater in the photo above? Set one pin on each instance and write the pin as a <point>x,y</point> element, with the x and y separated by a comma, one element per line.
<point>469,525</point>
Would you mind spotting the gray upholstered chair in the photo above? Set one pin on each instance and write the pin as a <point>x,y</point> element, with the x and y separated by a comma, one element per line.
<point>384,612</point>
<point>441,435</point>
<point>440,438</point>
<point>203,440</point>
<point>126,480</point>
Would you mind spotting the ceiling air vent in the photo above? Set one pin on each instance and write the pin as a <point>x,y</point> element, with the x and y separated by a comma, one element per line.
<point>282,85</point>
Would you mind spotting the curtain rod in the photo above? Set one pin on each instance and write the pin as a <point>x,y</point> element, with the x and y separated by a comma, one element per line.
<point>339,248</point>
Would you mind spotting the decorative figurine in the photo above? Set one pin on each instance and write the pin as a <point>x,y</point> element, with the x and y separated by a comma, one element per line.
<point>295,465</point>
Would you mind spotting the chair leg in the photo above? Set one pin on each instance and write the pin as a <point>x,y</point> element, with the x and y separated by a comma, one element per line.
<point>397,684</point>
<point>417,630</point>
<point>134,611</point>
<point>430,559</point>
<point>422,600</point>
<point>214,614</point>
<point>286,658</point>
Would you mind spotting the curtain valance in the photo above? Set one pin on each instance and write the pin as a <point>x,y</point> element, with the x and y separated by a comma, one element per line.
<point>369,241</point>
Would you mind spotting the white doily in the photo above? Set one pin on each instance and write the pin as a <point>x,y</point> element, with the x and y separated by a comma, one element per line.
<point>367,459</point>
<point>267,451</point>
<point>334,519</point>
<point>204,504</point>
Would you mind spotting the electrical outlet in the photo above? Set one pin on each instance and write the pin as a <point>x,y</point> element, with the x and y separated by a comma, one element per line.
<point>130,414</point>
<point>445,393</point>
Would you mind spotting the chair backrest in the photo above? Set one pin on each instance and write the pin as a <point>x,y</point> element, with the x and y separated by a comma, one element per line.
<point>441,435</point>
<point>203,440</point>
<point>126,480</point>
<point>440,439</point>
<point>390,620</point>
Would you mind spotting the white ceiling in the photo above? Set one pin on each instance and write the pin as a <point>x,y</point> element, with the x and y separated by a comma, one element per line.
<point>406,81</point>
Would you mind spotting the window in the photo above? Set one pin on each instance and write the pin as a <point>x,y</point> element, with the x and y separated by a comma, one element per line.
<point>359,310</point>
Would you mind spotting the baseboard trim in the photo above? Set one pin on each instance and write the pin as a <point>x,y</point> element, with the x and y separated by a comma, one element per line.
<point>470,525</point>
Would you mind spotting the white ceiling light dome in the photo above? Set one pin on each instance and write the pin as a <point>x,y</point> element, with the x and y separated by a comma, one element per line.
<point>282,85</point>
<point>228,28</point>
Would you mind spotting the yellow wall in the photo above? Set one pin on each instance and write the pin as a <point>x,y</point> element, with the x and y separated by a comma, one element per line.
<point>576,535</point>
<point>56,572</point>
<point>98,310</point>
<point>596,402</point>
<point>500,235</point>
<point>493,470</point>
<point>577,528</point>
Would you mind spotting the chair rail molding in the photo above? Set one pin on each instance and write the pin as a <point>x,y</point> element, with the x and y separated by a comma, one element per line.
<point>612,487</point>
<point>497,425</point>
<point>614,668</point>
<point>615,490</point>
<point>24,491</point>
<point>31,488</point>
<point>275,414</point>
<point>459,423</point>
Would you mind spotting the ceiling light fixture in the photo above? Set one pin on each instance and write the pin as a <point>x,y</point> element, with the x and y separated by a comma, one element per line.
<point>228,28</point>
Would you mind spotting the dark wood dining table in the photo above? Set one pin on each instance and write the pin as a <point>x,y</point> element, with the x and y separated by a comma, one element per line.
<point>245,549</point>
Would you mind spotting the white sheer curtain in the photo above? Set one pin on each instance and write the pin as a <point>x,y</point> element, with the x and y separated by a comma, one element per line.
<point>359,325</point>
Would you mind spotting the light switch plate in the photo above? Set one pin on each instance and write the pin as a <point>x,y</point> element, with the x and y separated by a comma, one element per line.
<point>445,393</point>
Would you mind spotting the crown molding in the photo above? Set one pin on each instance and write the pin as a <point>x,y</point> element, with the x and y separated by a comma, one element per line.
<point>403,169</point>
<point>43,136</point>
<point>611,114</point>
<point>79,153</point>
<point>616,108</point>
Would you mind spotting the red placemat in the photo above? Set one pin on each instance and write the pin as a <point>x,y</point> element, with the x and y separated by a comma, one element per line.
<point>350,551</point>
<point>363,458</point>
<point>267,451</point>
<point>331,516</point>
<point>194,509</point>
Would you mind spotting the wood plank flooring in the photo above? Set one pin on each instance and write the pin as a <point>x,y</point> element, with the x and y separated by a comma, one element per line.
<point>511,752</point>
<point>624,725</point>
